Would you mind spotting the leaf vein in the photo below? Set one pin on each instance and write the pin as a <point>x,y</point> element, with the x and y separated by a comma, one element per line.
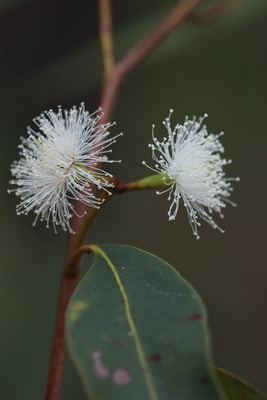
<point>140,352</point>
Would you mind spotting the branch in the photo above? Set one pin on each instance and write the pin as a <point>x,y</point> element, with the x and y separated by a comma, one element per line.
<point>106,39</point>
<point>176,17</point>
<point>58,351</point>
<point>114,76</point>
<point>69,280</point>
<point>143,49</point>
<point>86,222</point>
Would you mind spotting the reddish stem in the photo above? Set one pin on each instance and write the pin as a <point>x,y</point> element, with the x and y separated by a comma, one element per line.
<point>58,351</point>
<point>142,50</point>
<point>106,37</point>
<point>69,281</point>
<point>176,17</point>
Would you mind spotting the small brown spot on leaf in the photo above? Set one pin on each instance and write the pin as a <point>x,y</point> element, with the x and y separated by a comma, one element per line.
<point>154,357</point>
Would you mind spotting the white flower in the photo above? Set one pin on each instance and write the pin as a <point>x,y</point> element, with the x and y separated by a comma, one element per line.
<point>59,163</point>
<point>191,162</point>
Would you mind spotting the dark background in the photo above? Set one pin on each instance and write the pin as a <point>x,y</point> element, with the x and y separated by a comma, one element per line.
<point>49,55</point>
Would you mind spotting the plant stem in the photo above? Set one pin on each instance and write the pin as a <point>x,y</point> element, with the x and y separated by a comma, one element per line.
<point>70,279</point>
<point>143,49</point>
<point>176,17</point>
<point>58,351</point>
<point>114,75</point>
<point>106,38</point>
<point>87,222</point>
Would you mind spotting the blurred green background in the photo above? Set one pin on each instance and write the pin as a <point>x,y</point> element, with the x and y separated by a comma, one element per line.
<point>49,55</point>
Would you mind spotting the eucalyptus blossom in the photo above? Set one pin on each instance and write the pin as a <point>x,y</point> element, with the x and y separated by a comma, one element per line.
<point>190,162</point>
<point>61,162</point>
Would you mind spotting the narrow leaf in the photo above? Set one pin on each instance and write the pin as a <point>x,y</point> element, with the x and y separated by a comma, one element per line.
<point>137,330</point>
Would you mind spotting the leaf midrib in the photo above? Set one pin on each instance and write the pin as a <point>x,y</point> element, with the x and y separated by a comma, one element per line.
<point>138,345</point>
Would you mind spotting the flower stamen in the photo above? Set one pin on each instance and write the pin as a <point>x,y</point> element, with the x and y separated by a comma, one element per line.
<point>191,158</point>
<point>59,163</point>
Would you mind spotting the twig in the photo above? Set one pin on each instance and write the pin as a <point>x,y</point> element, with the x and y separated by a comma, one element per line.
<point>114,75</point>
<point>151,182</point>
<point>106,38</point>
<point>142,50</point>
<point>87,222</point>
<point>58,351</point>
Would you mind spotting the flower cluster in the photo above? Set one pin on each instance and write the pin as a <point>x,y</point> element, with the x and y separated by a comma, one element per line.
<point>190,160</point>
<point>61,162</point>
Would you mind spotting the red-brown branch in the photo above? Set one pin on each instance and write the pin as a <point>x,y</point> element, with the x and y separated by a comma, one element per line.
<point>142,50</point>
<point>69,280</point>
<point>106,37</point>
<point>58,351</point>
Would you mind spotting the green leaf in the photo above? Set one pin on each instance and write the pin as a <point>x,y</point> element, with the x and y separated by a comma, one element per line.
<point>137,330</point>
<point>237,389</point>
